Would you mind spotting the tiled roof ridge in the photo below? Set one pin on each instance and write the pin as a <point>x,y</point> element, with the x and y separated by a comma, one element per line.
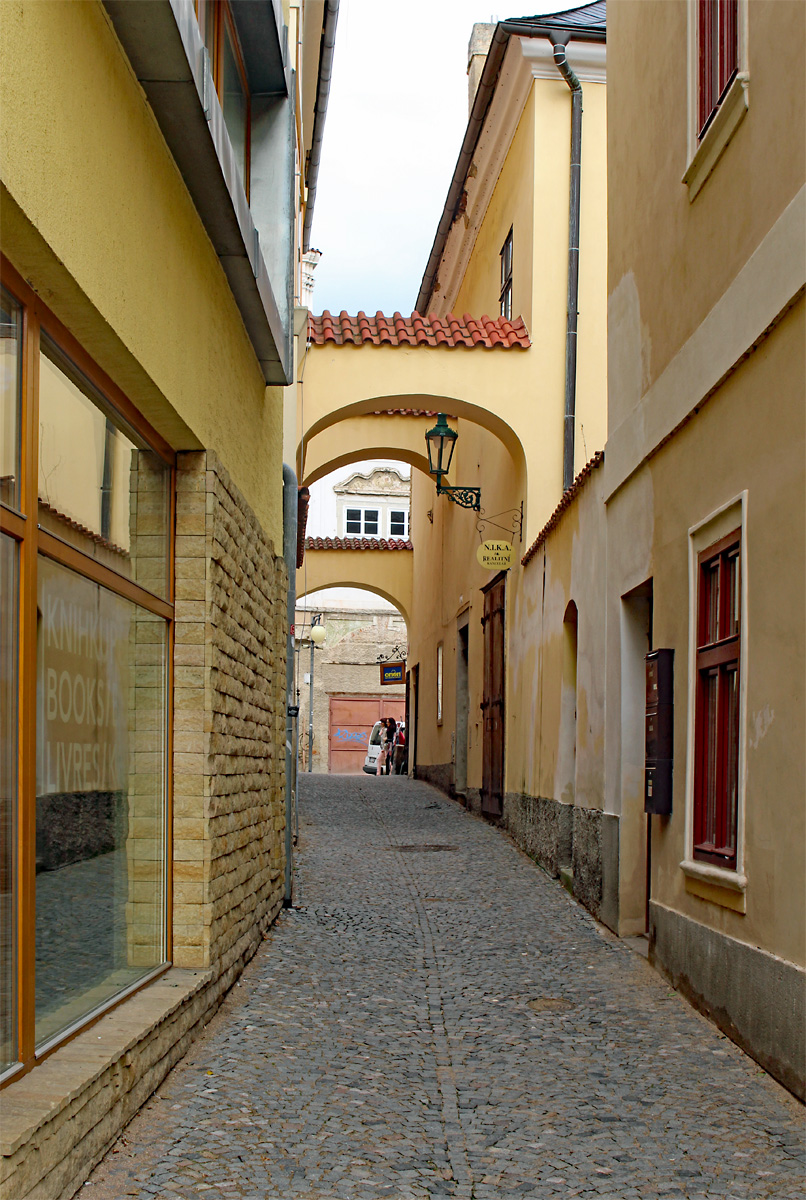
<point>357,543</point>
<point>568,498</point>
<point>483,332</point>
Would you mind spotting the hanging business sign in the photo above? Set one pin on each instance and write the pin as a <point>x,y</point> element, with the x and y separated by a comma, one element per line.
<point>495,555</point>
<point>393,672</point>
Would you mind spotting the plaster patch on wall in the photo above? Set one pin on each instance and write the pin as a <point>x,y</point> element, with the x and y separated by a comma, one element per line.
<point>760,724</point>
<point>625,354</point>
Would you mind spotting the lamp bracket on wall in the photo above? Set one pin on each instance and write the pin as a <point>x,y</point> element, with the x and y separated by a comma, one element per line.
<point>514,528</point>
<point>399,654</point>
<point>465,497</point>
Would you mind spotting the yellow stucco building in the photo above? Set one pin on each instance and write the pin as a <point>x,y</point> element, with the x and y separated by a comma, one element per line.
<point>627,698</point>
<point>705,501</point>
<point>158,171</point>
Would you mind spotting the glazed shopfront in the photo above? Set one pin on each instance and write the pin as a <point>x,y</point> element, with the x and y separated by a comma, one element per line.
<point>86,514</point>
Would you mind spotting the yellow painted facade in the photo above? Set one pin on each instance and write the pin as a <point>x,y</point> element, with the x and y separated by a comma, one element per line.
<point>706,434</point>
<point>690,377</point>
<point>531,198</point>
<point>95,212</point>
<point>161,297</point>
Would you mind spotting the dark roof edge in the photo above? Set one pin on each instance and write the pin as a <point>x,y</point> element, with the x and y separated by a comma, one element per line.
<point>325,75</point>
<point>568,498</point>
<point>478,115</point>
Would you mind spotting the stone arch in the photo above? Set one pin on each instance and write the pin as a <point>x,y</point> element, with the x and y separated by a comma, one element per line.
<point>374,412</point>
<point>364,587</point>
<point>389,576</point>
<point>390,438</point>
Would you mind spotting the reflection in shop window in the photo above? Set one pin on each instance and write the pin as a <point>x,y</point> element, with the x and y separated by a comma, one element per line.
<point>100,487</point>
<point>100,812</point>
<point>10,359</point>
<point>8,798</point>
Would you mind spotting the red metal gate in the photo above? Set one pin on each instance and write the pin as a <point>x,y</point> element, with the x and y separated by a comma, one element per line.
<point>351,721</point>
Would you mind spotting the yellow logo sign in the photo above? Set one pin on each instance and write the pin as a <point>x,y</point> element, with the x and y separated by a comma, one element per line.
<point>495,556</point>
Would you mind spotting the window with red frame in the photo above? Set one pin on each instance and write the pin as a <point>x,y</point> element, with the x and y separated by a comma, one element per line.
<point>716,771</point>
<point>718,50</point>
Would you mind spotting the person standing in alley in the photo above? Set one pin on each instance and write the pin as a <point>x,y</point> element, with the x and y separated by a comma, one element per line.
<point>391,729</point>
<point>380,762</point>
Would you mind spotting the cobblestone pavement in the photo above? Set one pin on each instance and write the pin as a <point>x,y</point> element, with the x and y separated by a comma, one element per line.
<point>438,1018</point>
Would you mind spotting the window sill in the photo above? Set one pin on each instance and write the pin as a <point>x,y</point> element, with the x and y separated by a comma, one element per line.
<point>727,120</point>
<point>715,884</point>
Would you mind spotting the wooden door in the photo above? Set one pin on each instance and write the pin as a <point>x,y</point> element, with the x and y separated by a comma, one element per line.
<point>493,703</point>
<point>351,721</point>
<point>413,678</point>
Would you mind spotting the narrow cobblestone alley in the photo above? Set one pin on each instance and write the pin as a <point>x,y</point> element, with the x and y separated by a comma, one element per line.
<point>437,1018</point>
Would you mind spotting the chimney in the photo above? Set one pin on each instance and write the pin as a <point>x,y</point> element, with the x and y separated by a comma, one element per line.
<point>477,49</point>
<point>308,265</point>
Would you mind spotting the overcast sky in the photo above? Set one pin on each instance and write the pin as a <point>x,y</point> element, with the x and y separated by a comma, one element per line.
<point>396,117</point>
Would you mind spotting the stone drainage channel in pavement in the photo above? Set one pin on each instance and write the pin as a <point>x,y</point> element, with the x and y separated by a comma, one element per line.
<point>438,1018</point>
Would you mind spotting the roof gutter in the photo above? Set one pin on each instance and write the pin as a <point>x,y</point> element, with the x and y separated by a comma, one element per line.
<point>320,112</point>
<point>478,115</point>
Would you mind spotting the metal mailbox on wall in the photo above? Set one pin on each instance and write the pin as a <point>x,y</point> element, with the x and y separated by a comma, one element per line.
<point>659,732</point>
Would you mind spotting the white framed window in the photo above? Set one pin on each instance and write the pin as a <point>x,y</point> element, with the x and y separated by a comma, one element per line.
<point>398,523</point>
<point>716,734</point>
<point>362,522</point>
<point>718,83</point>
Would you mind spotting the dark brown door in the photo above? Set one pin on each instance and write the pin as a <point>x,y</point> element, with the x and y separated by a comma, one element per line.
<point>492,784</point>
<point>412,714</point>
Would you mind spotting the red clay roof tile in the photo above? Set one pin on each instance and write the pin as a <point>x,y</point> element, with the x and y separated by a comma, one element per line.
<point>356,543</point>
<point>417,330</point>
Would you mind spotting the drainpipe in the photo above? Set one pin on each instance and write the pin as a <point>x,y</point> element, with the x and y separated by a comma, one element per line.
<point>570,78</point>
<point>290,556</point>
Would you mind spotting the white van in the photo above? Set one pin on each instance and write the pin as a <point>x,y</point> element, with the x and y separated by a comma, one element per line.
<point>373,750</point>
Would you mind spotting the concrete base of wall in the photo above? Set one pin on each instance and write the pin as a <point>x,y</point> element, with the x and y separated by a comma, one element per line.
<point>758,1000</point>
<point>60,1120</point>
<point>438,774</point>
<point>580,844</point>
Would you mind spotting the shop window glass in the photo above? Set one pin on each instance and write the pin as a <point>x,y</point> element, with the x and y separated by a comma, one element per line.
<point>234,103</point>
<point>100,810</point>
<point>10,373</point>
<point>100,487</point>
<point>8,798</point>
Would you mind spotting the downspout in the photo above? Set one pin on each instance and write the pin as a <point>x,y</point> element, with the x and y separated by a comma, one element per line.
<point>320,111</point>
<point>570,78</point>
<point>290,556</point>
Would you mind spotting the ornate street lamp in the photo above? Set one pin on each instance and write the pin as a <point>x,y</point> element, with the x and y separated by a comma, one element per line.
<point>440,442</point>
<point>317,635</point>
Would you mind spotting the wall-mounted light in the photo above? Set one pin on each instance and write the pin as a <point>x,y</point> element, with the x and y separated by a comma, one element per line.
<point>441,441</point>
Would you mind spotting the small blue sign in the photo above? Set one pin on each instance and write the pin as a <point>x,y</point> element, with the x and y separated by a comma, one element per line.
<point>393,672</point>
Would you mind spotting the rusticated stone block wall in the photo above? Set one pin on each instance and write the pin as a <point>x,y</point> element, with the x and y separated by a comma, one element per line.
<point>229,720</point>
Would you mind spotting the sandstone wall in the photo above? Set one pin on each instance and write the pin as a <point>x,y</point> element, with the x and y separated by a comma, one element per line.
<point>229,719</point>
